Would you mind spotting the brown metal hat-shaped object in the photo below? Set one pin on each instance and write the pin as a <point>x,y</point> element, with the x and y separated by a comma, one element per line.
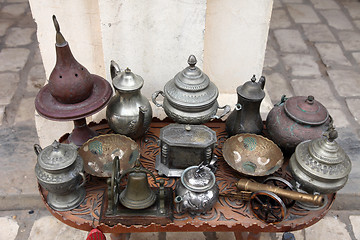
<point>70,82</point>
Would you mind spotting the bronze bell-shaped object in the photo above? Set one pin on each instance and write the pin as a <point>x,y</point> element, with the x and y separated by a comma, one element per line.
<point>137,194</point>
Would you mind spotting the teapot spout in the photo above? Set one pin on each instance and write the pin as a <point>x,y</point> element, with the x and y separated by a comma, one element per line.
<point>179,204</point>
<point>37,149</point>
<point>262,81</point>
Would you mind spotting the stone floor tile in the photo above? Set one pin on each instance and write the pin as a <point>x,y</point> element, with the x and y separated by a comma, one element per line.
<point>185,235</point>
<point>350,40</point>
<point>331,54</point>
<point>290,41</point>
<point>271,58</point>
<point>25,111</point>
<point>8,85</point>
<point>13,59</point>
<point>301,65</point>
<point>279,19</point>
<point>19,36</point>
<point>9,228</point>
<point>357,23</point>
<point>2,112</point>
<point>354,107</point>
<point>353,9</point>
<point>346,82</point>
<point>318,33</point>
<point>292,1</point>
<point>356,56</point>
<point>36,78</point>
<point>15,10</point>
<point>276,86</point>
<point>337,19</point>
<point>37,59</point>
<point>318,88</point>
<point>355,222</point>
<point>339,116</point>
<point>302,13</point>
<point>4,25</point>
<point>17,1</point>
<point>328,228</point>
<point>225,236</point>
<point>325,4</point>
<point>299,235</point>
<point>277,4</point>
<point>144,236</point>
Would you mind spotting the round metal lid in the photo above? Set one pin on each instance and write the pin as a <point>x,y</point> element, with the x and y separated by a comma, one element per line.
<point>306,110</point>
<point>57,156</point>
<point>128,81</point>
<point>198,179</point>
<point>251,90</point>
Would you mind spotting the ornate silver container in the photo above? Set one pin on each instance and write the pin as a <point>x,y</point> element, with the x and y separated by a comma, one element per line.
<point>183,146</point>
<point>196,191</point>
<point>128,112</point>
<point>320,165</point>
<point>190,97</point>
<point>59,169</point>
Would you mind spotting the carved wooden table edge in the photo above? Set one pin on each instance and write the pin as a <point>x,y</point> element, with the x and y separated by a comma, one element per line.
<point>228,215</point>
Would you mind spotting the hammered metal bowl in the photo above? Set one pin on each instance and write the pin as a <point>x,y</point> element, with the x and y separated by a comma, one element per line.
<point>252,154</point>
<point>99,151</point>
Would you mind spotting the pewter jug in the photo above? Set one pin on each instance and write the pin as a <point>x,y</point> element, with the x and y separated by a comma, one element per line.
<point>128,112</point>
<point>246,116</point>
<point>59,169</point>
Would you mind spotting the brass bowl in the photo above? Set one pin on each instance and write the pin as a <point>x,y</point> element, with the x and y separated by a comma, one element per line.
<point>252,154</point>
<point>99,151</point>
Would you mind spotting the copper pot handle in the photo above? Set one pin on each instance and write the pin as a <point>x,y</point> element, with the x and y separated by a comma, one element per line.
<point>83,179</point>
<point>155,95</point>
<point>226,108</point>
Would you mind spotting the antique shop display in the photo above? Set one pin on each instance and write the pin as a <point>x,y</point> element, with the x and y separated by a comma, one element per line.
<point>320,165</point>
<point>98,154</point>
<point>196,191</point>
<point>72,92</point>
<point>252,154</point>
<point>128,112</point>
<point>182,146</point>
<point>59,169</point>
<point>246,116</point>
<point>296,119</point>
<point>190,97</point>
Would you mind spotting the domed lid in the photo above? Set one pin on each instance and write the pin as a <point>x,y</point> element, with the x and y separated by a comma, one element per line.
<point>128,81</point>
<point>198,178</point>
<point>306,110</point>
<point>57,156</point>
<point>252,90</point>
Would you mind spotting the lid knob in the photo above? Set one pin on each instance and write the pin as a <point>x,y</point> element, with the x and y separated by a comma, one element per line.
<point>310,99</point>
<point>192,61</point>
<point>127,70</point>
<point>55,145</point>
<point>60,40</point>
<point>253,79</point>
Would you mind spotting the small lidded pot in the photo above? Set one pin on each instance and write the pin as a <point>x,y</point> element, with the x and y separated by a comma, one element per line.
<point>295,120</point>
<point>196,192</point>
<point>59,169</point>
<point>190,97</point>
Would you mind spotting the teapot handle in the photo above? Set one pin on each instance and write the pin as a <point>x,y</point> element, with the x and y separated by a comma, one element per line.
<point>114,69</point>
<point>226,108</point>
<point>37,149</point>
<point>155,95</point>
<point>83,179</point>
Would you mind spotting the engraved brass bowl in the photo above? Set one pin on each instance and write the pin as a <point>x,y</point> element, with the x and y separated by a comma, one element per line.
<point>252,154</point>
<point>99,151</point>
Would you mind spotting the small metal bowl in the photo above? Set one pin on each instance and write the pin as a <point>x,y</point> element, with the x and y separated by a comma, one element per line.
<point>252,154</point>
<point>98,154</point>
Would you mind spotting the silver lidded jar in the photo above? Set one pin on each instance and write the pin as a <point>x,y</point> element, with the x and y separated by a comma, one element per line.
<point>128,112</point>
<point>196,191</point>
<point>190,97</point>
<point>59,169</point>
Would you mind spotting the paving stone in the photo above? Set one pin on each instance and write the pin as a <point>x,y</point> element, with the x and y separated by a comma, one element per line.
<point>302,13</point>
<point>2,112</point>
<point>277,4</point>
<point>49,228</point>
<point>37,57</point>
<point>357,23</point>
<point>355,222</point>
<point>17,1</point>
<point>339,116</point>
<point>225,236</point>
<point>19,36</point>
<point>354,107</point>
<point>325,4</point>
<point>36,78</point>
<point>279,19</point>
<point>327,228</point>
<point>292,1</point>
<point>185,235</point>
<point>318,88</point>
<point>331,54</point>
<point>356,56</point>
<point>350,40</point>
<point>26,111</point>
<point>4,25</point>
<point>299,235</point>
<point>301,65</point>
<point>353,9</point>
<point>346,82</point>
<point>276,86</point>
<point>9,228</point>
<point>144,236</point>
<point>271,59</point>
<point>290,41</point>
<point>337,19</point>
<point>318,33</point>
<point>14,10</point>
<point>13,59</point>
<point>8,85</point>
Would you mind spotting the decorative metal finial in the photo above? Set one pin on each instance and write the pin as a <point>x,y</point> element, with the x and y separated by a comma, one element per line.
<point>192,61</point>
<point>310,99</point>
<point>253,79</point>
<point>60,40</point>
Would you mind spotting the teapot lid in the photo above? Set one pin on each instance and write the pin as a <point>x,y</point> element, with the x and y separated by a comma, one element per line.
<point>127,81</point>
<point>306,110</point>
<point>57,156</point>
<point>252,90</point>
<point>198,178</point>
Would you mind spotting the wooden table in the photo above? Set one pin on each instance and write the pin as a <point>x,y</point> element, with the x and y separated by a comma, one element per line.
<point>227,215</point>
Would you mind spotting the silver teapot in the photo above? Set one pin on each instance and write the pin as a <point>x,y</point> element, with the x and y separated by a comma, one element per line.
<point>196,191</point>
<point>59,169</point>
<point>128,112</point>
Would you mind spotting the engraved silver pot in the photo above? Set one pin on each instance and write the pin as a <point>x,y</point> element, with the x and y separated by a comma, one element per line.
<point>59,169</point>
<point>190,97</point>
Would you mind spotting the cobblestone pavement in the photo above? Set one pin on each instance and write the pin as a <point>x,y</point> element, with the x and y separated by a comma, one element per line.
<point>313,49</point>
